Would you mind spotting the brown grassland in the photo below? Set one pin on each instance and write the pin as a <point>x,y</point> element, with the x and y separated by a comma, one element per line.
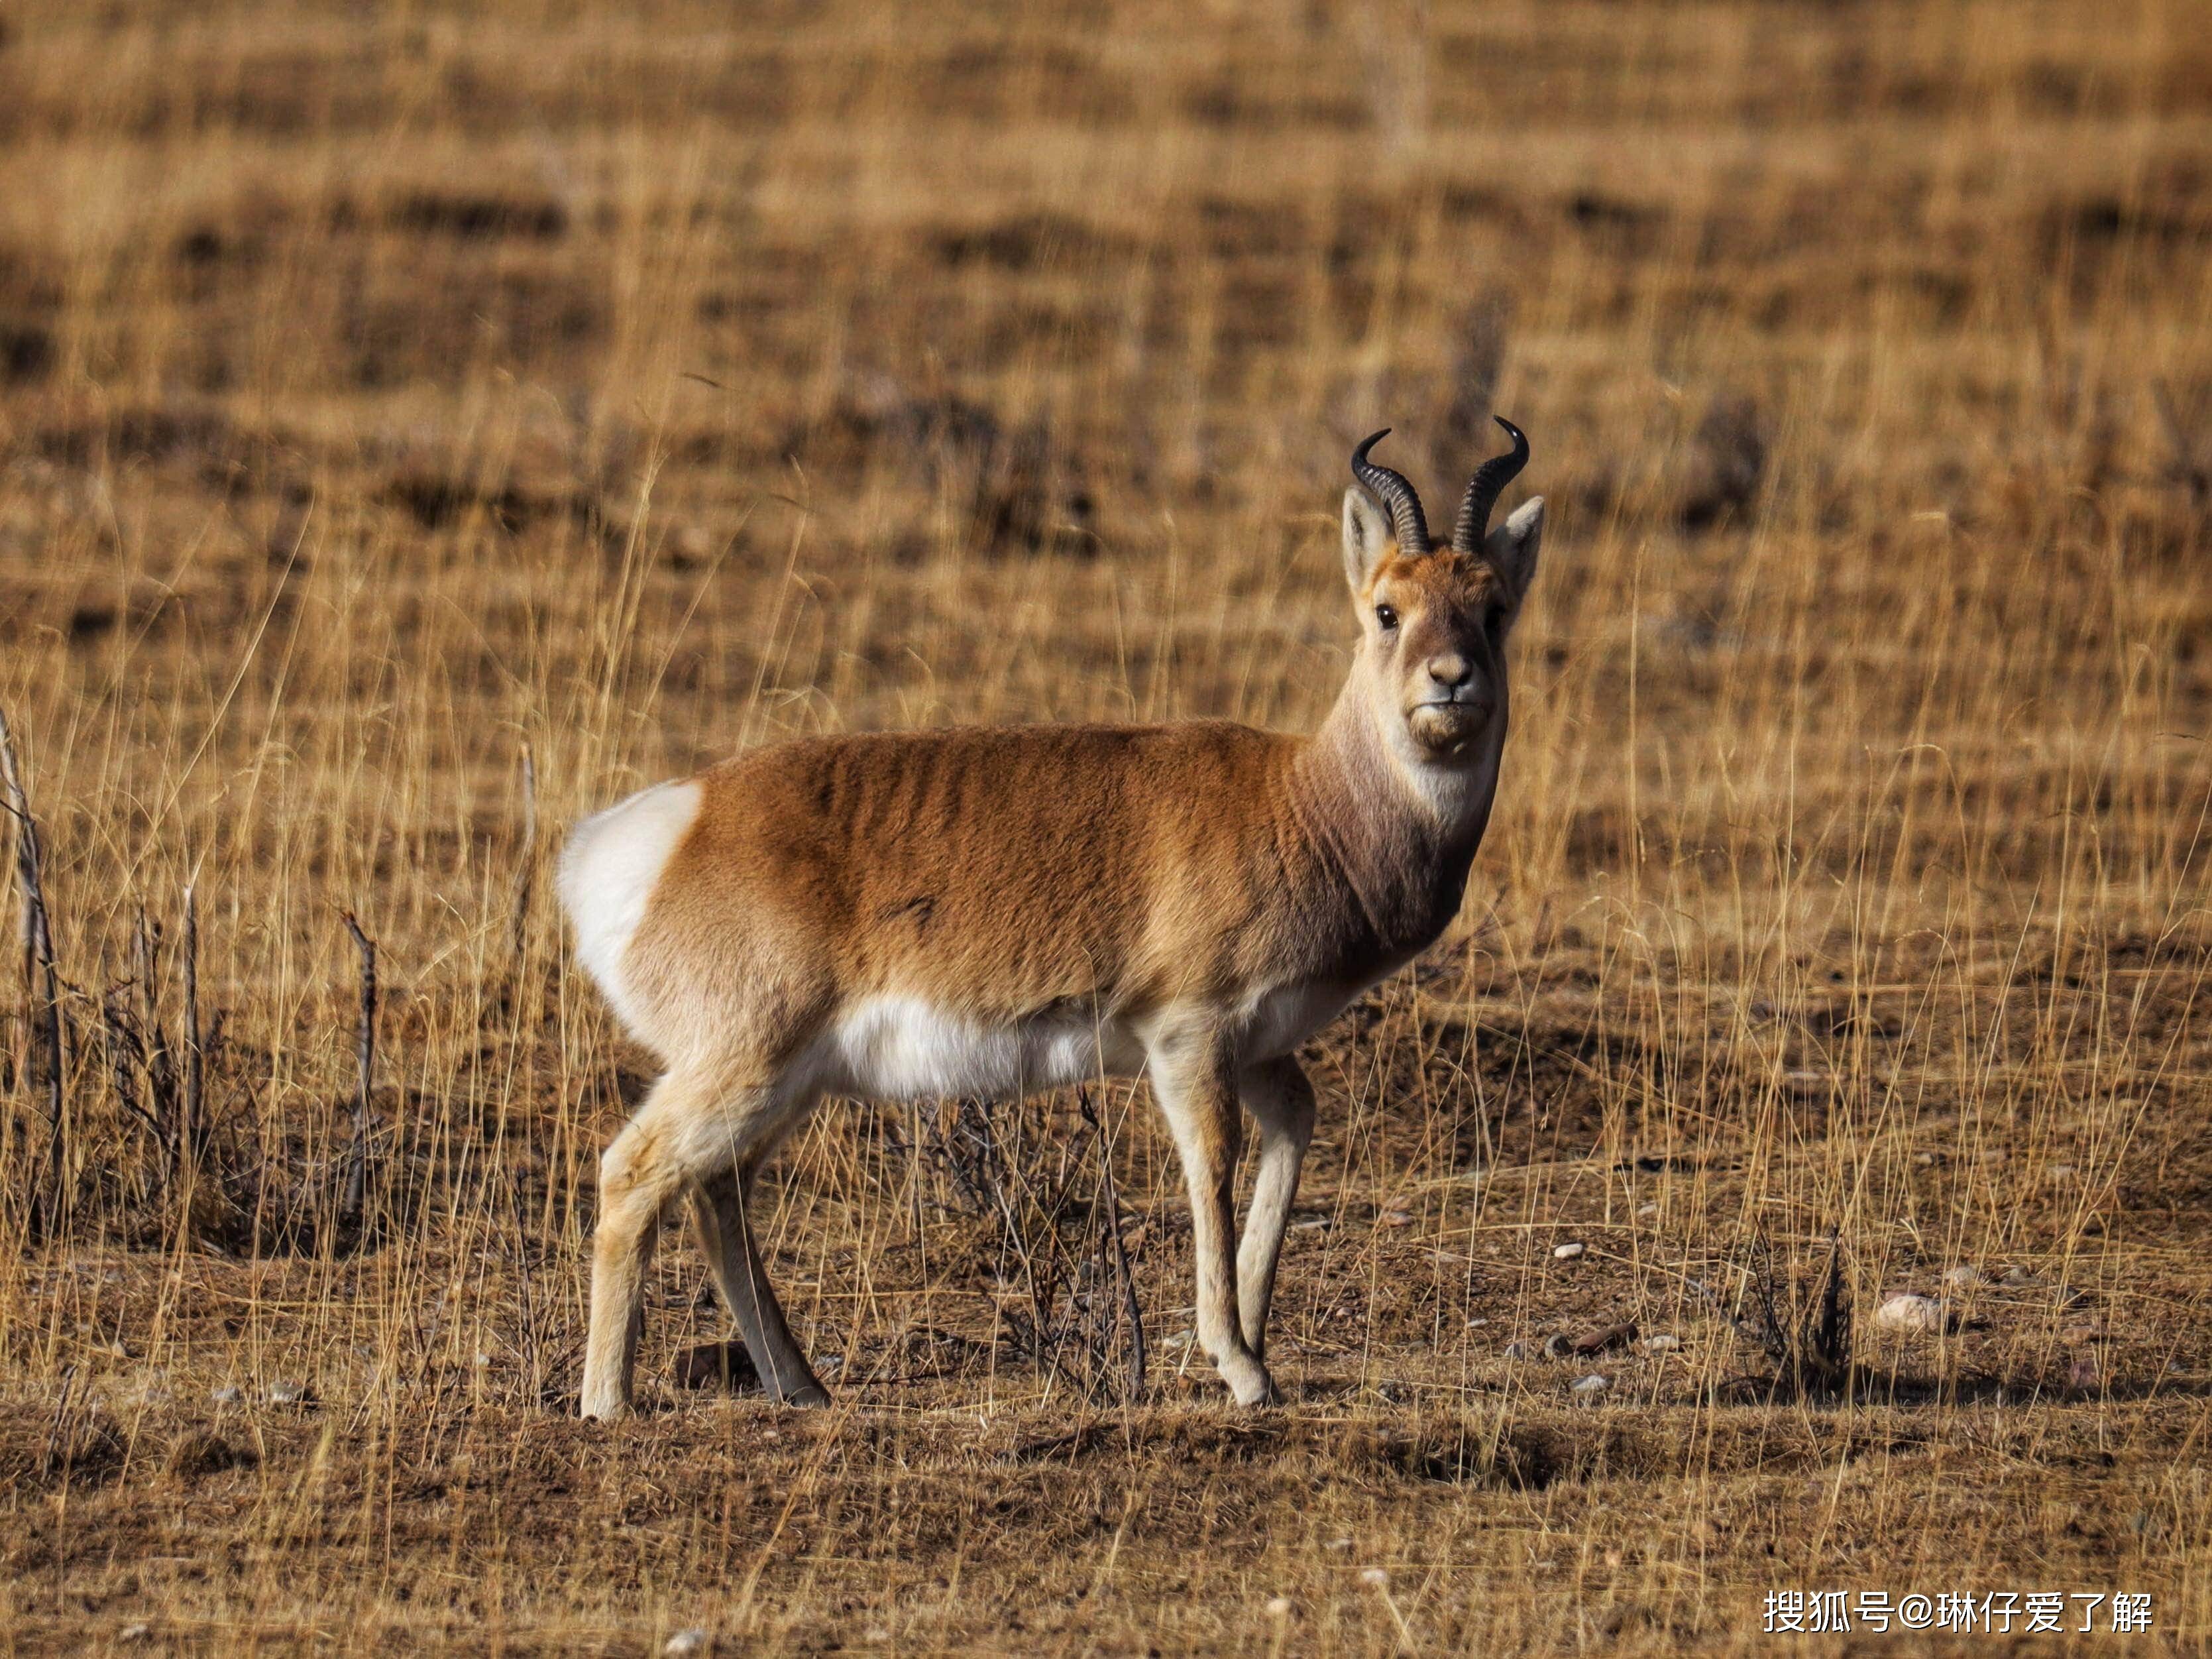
<point>387,393</point>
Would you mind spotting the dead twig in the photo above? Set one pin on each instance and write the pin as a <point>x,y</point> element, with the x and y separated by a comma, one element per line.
<point>1111,1196</point>
<point>127,1057</point>
<point>191,1120</point>
<point>526,868</point>
<point>1058,1246</point>
<point>55,1459</point>
<point>152,1042</point>
<point>1812,1348</point>
<point>143,1058</point>
<point>42,982</point>
<point>356,1183</point>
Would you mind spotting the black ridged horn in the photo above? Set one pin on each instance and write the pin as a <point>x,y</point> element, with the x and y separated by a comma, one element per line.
<point>1483,490</point>
<point>1396,494</point>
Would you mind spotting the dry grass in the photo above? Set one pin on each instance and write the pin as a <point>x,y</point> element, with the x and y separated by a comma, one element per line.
<point>380,395</point>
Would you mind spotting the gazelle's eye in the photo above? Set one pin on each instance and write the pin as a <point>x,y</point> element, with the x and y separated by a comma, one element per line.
<point>1386,616</point>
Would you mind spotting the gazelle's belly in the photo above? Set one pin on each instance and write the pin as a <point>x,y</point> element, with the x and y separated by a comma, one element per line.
<point>896,1047</point>
<point>900,1048</point>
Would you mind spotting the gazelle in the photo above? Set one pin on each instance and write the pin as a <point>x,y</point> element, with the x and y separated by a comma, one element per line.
<point>992,911</point>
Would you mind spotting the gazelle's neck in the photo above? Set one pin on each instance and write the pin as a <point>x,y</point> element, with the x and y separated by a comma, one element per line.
<point>1402,832</point>
<point>1446,806</point>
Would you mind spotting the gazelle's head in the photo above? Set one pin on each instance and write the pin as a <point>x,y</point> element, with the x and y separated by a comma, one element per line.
<point>1434,614</point>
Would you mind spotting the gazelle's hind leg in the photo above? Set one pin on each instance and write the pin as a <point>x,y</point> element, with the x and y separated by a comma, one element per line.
<point>726,1237</point>
<point>694,1127</point>
<point>639,1174</point>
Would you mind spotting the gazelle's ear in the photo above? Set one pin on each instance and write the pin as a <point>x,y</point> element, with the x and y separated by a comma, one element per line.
<point>1367,533</point>
<point>1510,549</point>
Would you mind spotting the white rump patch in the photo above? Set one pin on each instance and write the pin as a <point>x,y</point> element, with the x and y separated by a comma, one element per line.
<point>609,869</point>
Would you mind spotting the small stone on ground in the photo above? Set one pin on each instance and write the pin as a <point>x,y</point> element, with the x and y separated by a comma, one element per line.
<point>1908,1312</point>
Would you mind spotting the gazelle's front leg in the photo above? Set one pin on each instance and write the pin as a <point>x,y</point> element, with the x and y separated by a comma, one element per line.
<point>1281,1101</point>
<point>1192,1079</point>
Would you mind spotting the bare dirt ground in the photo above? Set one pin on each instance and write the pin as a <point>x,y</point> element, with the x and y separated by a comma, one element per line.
<point>385,396</point>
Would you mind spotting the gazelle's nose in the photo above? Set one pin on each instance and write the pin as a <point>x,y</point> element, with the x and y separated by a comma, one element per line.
<point>1452,671</point>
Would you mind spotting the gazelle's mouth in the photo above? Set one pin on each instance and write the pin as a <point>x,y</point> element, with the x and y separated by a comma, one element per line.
<point>1443,727</point>
<point>1455,704</point>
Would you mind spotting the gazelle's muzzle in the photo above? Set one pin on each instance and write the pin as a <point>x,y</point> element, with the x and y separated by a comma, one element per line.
<point>1445,724</point>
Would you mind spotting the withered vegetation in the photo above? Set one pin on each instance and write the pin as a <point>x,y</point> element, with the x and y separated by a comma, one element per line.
<point>385,395</point>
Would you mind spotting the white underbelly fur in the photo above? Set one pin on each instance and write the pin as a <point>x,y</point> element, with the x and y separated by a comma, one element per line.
<point>900,1048</point>
<point>905,1048</point>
